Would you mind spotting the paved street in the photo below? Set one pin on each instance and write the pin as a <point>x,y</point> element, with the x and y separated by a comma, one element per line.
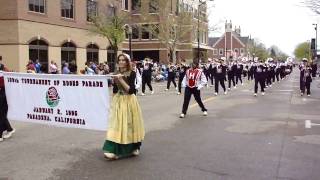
<point>242,138</point>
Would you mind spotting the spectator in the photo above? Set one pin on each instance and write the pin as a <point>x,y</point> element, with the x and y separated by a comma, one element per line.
<point>38,66</point>
<point>73,67</point>
<point>30,67</point>
<point>65,69</point>
<point>53,68</point>
<point>88,69</point>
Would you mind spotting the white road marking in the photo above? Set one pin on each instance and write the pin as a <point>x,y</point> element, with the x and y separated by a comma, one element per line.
<point>309,124</point>
<point>285,90</point>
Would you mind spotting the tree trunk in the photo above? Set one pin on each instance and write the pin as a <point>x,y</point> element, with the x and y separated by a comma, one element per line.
<point>115,57</point>
<point>174,56</point>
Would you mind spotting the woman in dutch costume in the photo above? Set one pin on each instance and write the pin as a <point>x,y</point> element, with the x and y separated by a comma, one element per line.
<point>125,128</point>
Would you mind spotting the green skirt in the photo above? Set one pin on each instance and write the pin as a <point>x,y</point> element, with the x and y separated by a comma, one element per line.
<point>121,150</point>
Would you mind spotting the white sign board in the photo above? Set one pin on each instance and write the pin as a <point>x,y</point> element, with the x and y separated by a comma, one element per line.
<point>61,100</point>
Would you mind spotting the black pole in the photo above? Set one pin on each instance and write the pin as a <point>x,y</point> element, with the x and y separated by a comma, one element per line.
<point>130,47</point>
<point>316,49</point>
<point>199,31</point>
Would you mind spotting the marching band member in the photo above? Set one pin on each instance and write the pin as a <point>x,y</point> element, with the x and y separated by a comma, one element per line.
<point>239,73</point>
<point>250,71</point>
<point>193,81</point>
<point>231,72</point>
<point>278,71</point>
<point>171,77</point>
<point>211,72</point>
<point>273,73</point>
<point>220,74</point>
<point>314,67</point>
<point>305,77</point>
<point>282,70</point>
<point>182,72</point>
<point>259,78</point>
<point>138,80</point>
<point>268,75</point>
<point>146,77</point>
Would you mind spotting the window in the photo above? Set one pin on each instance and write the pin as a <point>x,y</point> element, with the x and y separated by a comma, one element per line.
<point>67,8</point>
<point>185,7</point>
<point>236,50</point>
<point>181,7</point>
<point>215,51</point>
<point>177,7</point>
<point>37,6</point>
<point>153,6</point>
<point>38,50</point>
<point>135,32</point>
<point>136,5</point>
<point>241,50</point>
<point>204,37</point>
<point>91,9</point>
<point>111,11</point>
<point>155,31</point>
<point>68,52</point>
<point>221,52</point>
<point>195,15</point>
<point>93,53</point>
<point>145,32</point>
<point>125,4</point>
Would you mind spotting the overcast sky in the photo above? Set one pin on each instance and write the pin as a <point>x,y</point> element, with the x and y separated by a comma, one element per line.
<point>284,23</point>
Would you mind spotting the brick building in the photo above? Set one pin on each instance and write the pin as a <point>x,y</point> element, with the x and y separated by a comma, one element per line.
<point>231,45</point>
<point>50,30</point>
<point>58,30</point>
<point>146,45</point>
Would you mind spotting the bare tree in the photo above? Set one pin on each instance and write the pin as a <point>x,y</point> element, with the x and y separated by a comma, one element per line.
<point>175,27</point>
<point>110,25</point>
<point>314,5</point>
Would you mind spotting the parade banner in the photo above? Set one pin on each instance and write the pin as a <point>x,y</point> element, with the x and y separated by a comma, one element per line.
<point>61,100</point>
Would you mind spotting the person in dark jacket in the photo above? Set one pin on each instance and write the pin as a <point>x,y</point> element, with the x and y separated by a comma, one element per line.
<point>305,77</point>
<point>250,72</point>
<point>238,73</point>
<point>171,76</point>
<point>230,73</point>
<point>182,72</point>
<point>259,77</point>
<point>146,77</point>
<point>220,75</point>
<point>4,122</point>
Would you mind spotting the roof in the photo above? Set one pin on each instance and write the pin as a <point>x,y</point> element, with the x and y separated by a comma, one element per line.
<point>244,39</point>
<point>213,40</point>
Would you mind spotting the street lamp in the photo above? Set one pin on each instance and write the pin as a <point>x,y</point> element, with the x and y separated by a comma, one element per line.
<point>316,48</point>
<point>199,5</point>
<point>130,41</point>
<point>129,31</point>
<point>308,50</point>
